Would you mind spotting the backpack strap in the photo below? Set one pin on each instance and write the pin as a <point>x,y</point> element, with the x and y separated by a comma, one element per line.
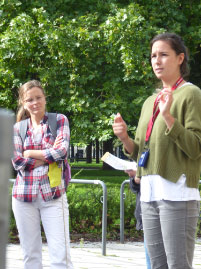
<point>23,129</point>
<point>52,122</point>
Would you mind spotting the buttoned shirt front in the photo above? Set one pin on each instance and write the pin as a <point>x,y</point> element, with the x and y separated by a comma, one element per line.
<point>30,181</point>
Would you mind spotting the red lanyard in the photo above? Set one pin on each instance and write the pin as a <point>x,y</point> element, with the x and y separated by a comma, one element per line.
<point>156,111</point>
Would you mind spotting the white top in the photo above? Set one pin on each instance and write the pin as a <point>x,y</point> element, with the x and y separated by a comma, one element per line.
<point>37,134</point>
<point>156,188</point>
<point>37,137</point>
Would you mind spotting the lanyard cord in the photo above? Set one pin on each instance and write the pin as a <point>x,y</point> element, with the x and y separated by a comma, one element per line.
<point>156,111</point>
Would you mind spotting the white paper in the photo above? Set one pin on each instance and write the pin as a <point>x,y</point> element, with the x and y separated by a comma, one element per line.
<point>118,163</point>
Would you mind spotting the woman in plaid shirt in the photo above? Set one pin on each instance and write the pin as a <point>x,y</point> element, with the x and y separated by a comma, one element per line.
<point>34,200</point>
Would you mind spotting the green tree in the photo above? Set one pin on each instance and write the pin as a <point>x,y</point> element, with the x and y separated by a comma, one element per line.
<point>91,56</point>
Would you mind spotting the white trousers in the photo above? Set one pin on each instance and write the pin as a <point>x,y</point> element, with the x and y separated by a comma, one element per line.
<point>55,220</point>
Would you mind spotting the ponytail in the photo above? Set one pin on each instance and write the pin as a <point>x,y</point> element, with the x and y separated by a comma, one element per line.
<point>22,114</point>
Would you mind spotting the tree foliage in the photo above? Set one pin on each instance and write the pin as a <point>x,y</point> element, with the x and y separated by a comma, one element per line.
<point>91,56</point>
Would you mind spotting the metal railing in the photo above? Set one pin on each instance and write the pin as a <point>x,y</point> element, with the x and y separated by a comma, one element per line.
<point>122,197</point>
<point>103,201</point>
<point>104,212</point>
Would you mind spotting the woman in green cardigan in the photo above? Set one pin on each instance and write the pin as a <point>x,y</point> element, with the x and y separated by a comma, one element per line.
<point>167,148</point>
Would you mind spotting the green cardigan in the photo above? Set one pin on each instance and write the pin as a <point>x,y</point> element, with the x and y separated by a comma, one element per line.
<point>176,151</point>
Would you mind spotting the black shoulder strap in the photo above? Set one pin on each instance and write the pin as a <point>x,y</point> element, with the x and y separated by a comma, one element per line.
<point>52,121</point>
<point>23,129</point>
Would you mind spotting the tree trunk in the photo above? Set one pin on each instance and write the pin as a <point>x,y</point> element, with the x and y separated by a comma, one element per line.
<point>107,147</point>
<point>97,151</point>
<point>72,155</point>
<point>94,151</point>
<point>89,153</point>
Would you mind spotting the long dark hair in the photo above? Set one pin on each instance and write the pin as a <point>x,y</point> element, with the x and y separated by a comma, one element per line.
<point>177,44</point>
<point>23,113</point>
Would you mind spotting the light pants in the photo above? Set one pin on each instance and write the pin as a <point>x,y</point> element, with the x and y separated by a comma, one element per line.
<point>53,215</point>
<point>170,229</point>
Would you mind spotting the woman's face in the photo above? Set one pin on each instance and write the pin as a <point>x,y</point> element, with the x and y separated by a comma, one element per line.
<point>165,62</point>
<point>34,102</point>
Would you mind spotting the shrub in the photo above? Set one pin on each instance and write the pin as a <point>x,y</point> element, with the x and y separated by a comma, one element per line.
<point>86,210</point>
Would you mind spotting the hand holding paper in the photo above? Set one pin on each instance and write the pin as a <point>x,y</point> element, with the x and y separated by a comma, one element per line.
<point>118,163</point>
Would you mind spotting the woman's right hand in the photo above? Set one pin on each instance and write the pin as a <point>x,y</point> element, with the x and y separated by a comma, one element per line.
<point>120,128</point>
<point>39,163</point>
<point>131,173</point>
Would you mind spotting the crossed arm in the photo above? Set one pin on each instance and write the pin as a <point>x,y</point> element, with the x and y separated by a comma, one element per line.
<point>38,155</point>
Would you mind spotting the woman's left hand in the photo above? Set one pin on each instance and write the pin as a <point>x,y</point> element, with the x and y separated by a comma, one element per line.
<point>58,141</point>
<point>165,101</point>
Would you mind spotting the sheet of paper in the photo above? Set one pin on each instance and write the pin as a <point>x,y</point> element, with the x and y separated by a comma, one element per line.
<point>118,163</point>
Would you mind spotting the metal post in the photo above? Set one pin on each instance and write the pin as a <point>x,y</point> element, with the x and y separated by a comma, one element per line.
<point>104,213</point>
<point>6,138</point>
<point>104,217</point>
<point>122,197</point>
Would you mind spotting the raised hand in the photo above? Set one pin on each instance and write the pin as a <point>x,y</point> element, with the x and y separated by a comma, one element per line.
<point>119,127</point>
<point>165,101</point>
<point>120,130</point>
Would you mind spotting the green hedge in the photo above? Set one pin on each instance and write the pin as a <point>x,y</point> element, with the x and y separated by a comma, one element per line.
<point>86,210</point>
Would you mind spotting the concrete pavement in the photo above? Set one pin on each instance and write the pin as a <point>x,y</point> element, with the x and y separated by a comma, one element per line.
<point>88,255</point>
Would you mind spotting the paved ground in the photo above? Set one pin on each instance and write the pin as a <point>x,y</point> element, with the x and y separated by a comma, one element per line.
<point>89,255</point>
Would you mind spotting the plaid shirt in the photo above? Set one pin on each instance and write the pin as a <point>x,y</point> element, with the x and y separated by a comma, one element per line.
<point>31,180</point>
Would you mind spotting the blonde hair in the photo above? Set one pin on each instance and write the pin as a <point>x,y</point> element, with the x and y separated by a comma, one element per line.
<point>23,113</point>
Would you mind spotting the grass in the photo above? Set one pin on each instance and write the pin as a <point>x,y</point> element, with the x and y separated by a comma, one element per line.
<point>107,176</point>
<point>84,164</point>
